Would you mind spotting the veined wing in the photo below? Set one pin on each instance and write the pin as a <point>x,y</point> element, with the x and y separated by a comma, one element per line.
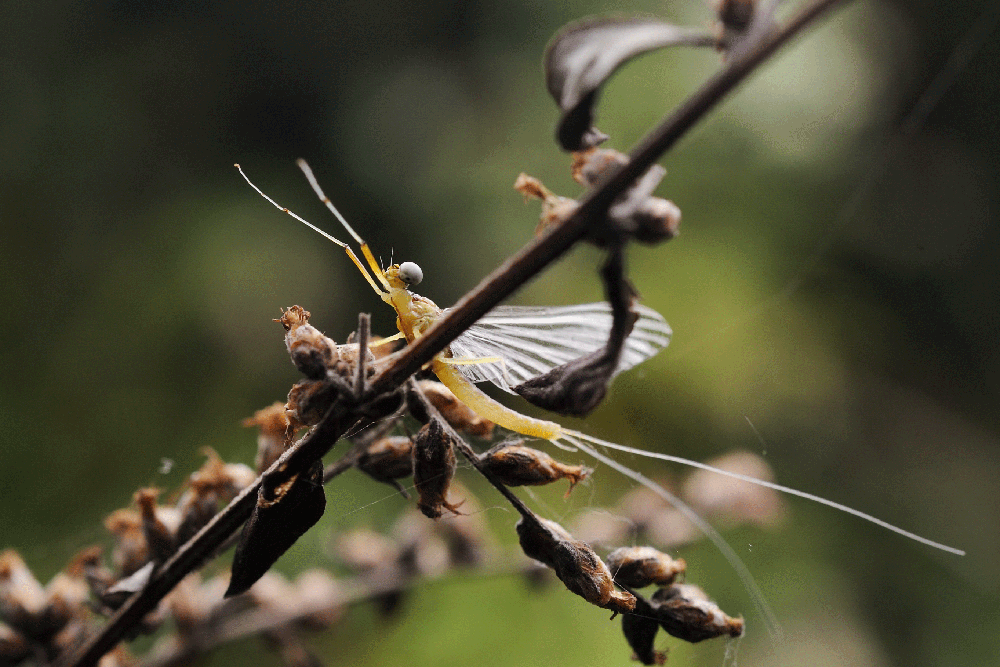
<point>534,340</point>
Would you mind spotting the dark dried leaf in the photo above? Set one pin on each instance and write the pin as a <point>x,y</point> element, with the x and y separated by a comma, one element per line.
<point>284,512</point>
<point>583,55</point>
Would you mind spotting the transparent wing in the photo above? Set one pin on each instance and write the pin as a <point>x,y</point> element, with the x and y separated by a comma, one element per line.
<point>534,340</point>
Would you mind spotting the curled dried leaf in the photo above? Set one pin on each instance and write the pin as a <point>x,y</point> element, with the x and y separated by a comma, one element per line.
<point>434,466</point>
<point>514,464</point>
<point>577,387</point>
<point>583,55</point>
<point>577,565</point>
<point>285,510</point>
<point>638,567</point>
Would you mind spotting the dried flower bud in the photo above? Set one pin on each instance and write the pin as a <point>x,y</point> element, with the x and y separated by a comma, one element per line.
<point>68,591</point>
<point>22,598</point>
<point>517,465</point>
<point>308,401</point>
<point>555,209</point>
<point>638,567</point>
<point>14,648</point>
<point>318,591</point>
<point>159,524</point>
<point>130,552</point>
<point>736,15</point>
<point>575,563</point>
<point>433,468</point>
<point>686,612</point>
<point>387,460</point>
<point>455,412</point>
<point>275,434</point>
<point>311,351</point>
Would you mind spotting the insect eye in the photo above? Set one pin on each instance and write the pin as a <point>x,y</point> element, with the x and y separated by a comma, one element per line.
<point>410,273</point>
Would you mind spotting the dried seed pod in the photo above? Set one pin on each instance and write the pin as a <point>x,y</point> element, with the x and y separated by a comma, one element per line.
<point>275,434</point>
<point>159,524</point>
<point>131,551</point>
<point>67,592</point>
<point>455,412</point>
<point>686,612</point>
<point>311,351</point>
<point>575,563</point>
<point>433,468</point>
<point>387,460</point>
<point>517,465</point>
<point>308,401</point>
<point>638,567</point>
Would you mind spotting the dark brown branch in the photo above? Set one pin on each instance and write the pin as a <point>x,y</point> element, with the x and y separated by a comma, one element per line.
<point>496,287</point>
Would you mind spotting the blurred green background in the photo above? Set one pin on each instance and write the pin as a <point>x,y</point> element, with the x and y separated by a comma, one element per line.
<point>141,274</point>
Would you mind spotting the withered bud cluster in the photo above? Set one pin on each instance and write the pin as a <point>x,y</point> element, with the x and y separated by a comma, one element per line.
<point>40,620</point>
<point>514,464</point>
<point>329,369</point>
<point>635,214</point>
<point>683,611</point>
<point>434,466</point>
<point>577,565</point>
<point>45,621</point>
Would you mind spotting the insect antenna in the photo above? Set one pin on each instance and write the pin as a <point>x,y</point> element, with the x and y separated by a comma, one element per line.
<point>347,248</point>
<point>365,250</point>
<point>575,437</point>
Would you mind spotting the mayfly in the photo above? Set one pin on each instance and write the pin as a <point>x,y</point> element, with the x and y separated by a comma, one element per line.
<point>512,344</point>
